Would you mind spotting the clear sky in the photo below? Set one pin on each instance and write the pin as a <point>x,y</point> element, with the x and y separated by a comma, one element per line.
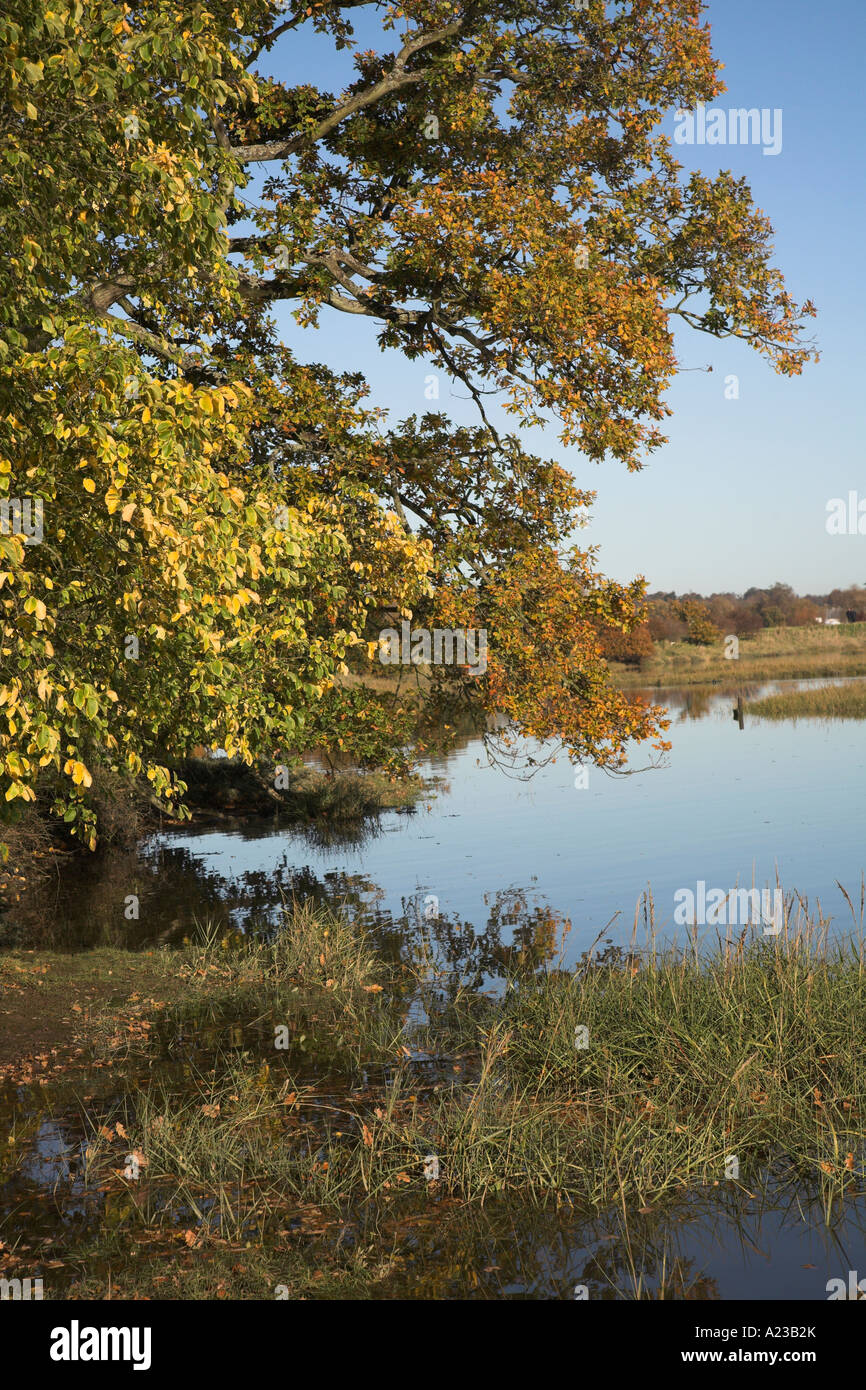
<point>739,495</point>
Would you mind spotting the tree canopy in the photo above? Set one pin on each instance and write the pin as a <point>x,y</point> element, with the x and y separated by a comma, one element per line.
<point>226,522</point>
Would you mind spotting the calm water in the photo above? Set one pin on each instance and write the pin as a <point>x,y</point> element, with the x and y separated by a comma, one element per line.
<point>500,864</point>
<point>488,854</point>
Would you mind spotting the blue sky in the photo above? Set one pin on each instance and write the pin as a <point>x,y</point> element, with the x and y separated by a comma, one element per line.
<point>739,495</point>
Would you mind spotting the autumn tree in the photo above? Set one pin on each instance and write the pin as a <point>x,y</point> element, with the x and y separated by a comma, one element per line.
<point>633,648</point>
<point>700,629</point>
<point>224,519</point>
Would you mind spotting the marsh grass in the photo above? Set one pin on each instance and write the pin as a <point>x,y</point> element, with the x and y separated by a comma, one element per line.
<point>785,653</point>
<point>747,1048</point>
<point>828,702</point>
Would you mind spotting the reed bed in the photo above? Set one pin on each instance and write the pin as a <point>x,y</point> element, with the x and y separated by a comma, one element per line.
<point>645,1074</point>
<point>828,702</point>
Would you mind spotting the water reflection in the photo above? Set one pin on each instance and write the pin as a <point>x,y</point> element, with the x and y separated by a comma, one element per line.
<point>710,1246</point>
<point>760,1239</point>
<point>505,862</point>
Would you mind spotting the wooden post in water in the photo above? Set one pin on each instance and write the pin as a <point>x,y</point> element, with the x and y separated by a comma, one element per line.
<point>740,712</point>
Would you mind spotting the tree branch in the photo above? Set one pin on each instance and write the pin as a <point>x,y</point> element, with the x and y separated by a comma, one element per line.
<point>394,81</point>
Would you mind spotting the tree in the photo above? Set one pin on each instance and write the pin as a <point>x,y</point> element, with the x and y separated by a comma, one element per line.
<point>631,648</point>
<point>701,630</point>
<point>490,191</point>
<point>665,623</point>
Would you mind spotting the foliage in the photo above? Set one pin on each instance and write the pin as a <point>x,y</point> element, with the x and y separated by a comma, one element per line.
<point>630,648</point>
<point>745,614</point>
<point>243,515</point>
<point>701,630</point>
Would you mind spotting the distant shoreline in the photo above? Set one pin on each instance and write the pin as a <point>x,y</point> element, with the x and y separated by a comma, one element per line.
<point>789,653</point>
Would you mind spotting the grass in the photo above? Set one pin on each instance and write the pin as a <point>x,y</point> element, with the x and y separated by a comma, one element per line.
<point>785,653</point>
<point>383,1100</point>
<point>109,1268</point>
<point>752,1050</point>
<point>829,702</point>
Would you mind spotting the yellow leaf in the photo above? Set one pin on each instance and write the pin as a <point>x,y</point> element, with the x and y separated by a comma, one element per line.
<point>89,485</point>
<point>78,772</point>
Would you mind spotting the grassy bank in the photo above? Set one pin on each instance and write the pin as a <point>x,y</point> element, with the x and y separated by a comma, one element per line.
<point>827,702</point>
<point>299,1084</point>
<point>786,653</point>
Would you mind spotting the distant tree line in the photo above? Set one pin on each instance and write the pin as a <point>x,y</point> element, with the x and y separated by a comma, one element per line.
<point>777,606</point>
<point>704,619</point>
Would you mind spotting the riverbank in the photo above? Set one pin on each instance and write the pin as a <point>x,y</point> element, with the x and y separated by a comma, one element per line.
<point>239,1116</point>
<point>218,790</point>
<point>796,653</point>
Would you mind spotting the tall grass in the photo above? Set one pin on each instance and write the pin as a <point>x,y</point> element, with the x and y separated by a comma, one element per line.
<point>746,1050</point>
<point>829,702</point>
<point>785,653</point>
